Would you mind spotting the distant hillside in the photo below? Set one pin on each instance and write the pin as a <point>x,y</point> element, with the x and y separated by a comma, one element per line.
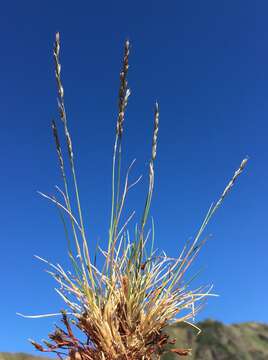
<point>19,356</point>
<point>246,341</point>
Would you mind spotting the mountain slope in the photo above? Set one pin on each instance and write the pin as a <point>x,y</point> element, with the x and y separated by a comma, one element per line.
<point>246,341</point>
<point>19,356</point>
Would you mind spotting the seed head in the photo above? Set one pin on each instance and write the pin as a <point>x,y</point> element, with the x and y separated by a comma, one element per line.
<point>155,133</point>
<point>124,92</point>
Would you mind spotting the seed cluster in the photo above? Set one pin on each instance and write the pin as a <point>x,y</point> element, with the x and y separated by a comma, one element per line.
<point>61,106</point>
<point>155,132</point>
<point>124,92</point>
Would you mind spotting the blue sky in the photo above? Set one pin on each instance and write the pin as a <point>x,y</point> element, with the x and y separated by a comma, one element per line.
<point>206,62</point>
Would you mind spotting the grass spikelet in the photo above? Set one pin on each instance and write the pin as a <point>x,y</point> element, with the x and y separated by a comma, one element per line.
<point>156,129</point>
<point>124,92</point>
<point>119,312</point>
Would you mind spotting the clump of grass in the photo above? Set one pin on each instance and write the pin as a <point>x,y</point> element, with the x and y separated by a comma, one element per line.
<point>121,310</point>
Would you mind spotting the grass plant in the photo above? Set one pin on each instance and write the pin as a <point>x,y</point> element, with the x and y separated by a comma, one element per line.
<point>122,309</point>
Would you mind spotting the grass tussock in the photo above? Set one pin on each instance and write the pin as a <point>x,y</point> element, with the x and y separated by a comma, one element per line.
<point>120,310</point>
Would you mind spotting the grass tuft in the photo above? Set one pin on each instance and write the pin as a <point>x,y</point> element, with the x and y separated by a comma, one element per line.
<point>119,311</point>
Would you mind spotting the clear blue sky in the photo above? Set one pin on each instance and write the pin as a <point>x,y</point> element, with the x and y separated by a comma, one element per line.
<point>206,62</point>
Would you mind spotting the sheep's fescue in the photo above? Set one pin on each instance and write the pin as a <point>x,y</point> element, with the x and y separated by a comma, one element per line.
<point>122,309</point>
